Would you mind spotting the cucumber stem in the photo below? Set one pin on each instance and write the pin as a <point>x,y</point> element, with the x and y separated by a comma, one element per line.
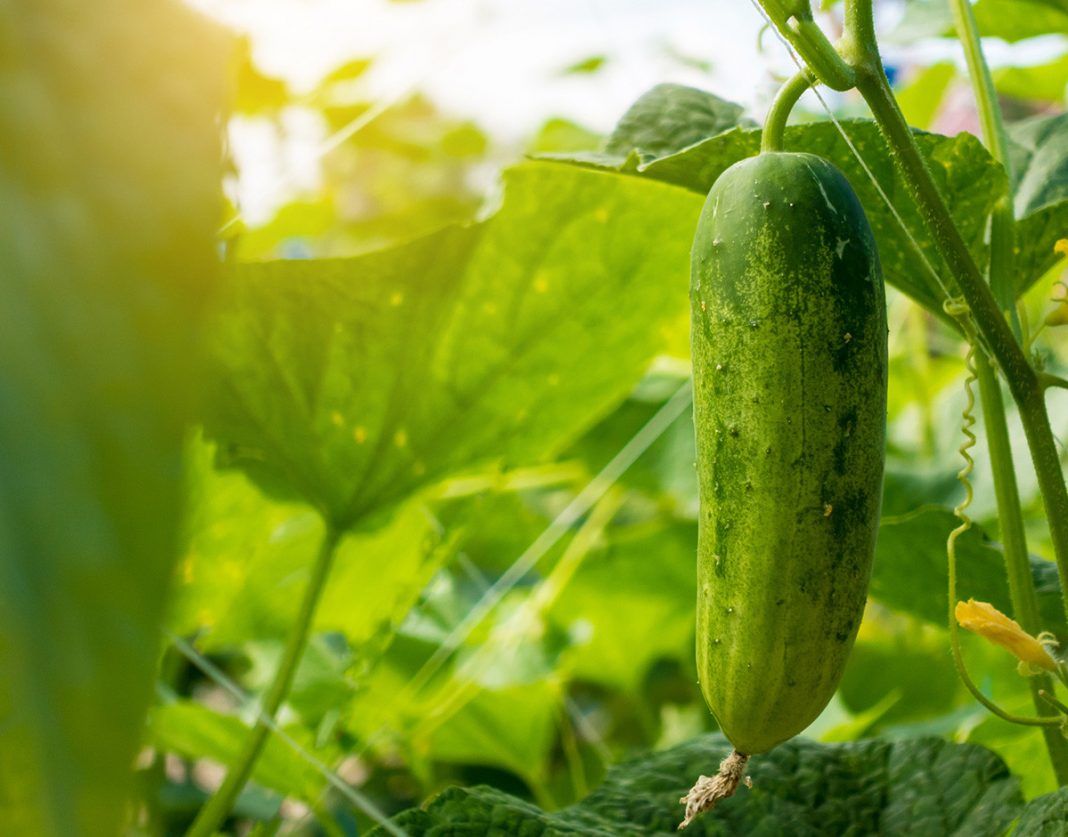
<point>709,790</point>
<point>771,139</point>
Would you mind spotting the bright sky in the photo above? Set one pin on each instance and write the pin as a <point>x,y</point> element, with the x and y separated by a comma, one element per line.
<point>498,62</point>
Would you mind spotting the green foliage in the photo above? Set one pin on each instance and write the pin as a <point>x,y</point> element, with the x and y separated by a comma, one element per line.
<point>193,730</point>
<point>921,785</point>
<point>458,337</point>
<point>922,97</point>
<point>109,190</point>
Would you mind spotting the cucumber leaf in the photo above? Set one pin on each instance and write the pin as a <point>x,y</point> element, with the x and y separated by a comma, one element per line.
<point>916,786</point>
<point>1045,815</point>
<point>352,383</point>
<point>670,117</point>
<point>110,165</point>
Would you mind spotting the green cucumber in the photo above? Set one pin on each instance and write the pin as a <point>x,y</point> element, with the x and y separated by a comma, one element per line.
<point>789,355</point>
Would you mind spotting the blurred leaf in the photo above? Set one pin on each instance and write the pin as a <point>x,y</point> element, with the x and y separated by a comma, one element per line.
<point>671,51</point>
<point>631,604</point>
<point>1016,20</point>
<point>1010,20</point>
<point>512,727</point>
<point>255,94</point>
<point>347,72</point>
<point>920,786</point>
<point>1036,82</point>
<point>289,233</point>
<point>586,66</point>
<point>922,19</point>
<point>665,472</point>
<point>244,558</point>
<point>109,197</point>
<point>966,175</point>
<point>355,382</point>
<point>563,135</point>
<point>671,117</point>
<point>910,572</point>
<point>897,654</point>
<point>922,97</point>
<point>196,732</point>
<point>248,557</point>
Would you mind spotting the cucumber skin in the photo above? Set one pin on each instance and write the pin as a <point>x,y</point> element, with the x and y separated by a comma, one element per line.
<point>790,373</point>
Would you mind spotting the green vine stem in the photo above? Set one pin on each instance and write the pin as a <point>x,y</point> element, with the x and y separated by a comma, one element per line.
<point>793,18</point>
<point>216,810</point>
<point>771,139</point>
<point>860,49</point>
<point>1002,243</point>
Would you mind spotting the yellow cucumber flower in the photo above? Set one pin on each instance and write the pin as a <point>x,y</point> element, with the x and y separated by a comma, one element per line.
<point>989,622</point>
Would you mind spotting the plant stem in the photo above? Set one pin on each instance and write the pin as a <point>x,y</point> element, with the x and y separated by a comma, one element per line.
<point>793,18</point>
<point>1017,561</point>
<point>771,139</point>
<point>1002,243</point>
<point>219,806</point>
<point>994,330</point>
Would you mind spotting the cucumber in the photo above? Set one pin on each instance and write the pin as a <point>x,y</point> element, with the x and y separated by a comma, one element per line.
<point>790,371</point>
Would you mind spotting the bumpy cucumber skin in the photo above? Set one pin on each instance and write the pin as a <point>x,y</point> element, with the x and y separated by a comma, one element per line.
<point>790,371</point>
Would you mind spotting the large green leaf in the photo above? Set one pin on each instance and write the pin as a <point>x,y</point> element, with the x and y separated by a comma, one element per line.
<point>966,175</point>
<point>355,382</point>
<point>109,197</point>
<point>919,786</point>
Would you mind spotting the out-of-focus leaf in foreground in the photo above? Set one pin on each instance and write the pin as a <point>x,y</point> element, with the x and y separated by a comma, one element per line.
<point>352,383</point>
<point>916,786</point>
<point>109,173</point>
